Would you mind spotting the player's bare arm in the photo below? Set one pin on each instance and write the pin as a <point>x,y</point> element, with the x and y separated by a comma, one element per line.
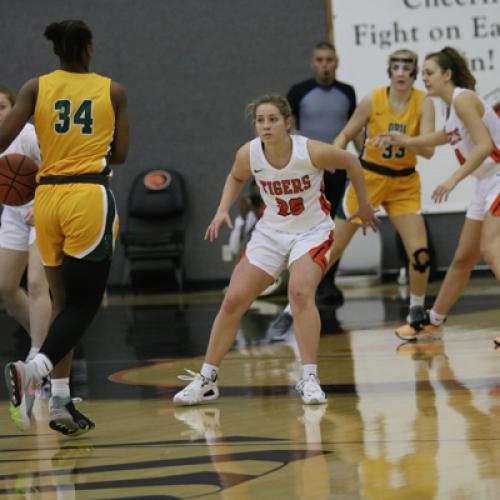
<point>427,126</point>
<point>119,146</point>
<point>330,158</point>
<point>431,139</point>
<point>470,110</point>
<point>239,174</point>
<point>355,124</point>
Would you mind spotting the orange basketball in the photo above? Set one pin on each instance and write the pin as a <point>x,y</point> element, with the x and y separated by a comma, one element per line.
<point>17,179</point>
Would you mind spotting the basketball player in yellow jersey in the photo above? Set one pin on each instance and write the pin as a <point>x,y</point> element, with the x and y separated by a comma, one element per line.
<point>390,174</point>
<point>82,126</point>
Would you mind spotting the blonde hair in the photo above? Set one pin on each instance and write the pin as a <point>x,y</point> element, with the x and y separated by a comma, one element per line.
<point>277,100</point>
<point>399,54</point>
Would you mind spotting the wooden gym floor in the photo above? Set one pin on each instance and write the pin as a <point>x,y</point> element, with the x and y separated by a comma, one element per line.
<point>402,421</point>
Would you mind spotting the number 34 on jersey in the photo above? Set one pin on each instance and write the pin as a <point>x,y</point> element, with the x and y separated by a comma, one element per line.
<point>70,115</point>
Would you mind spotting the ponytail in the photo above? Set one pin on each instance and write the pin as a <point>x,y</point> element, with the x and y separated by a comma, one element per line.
<point>70,39</point>
<point>450,58</point>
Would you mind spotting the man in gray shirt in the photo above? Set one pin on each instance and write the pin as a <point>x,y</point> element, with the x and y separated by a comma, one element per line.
<point>321,107</point>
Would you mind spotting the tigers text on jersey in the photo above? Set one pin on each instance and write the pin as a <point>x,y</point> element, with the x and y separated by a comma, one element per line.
<point>383,119</point>
<point>293,195</point>
<point>461,141</point>
<point>74,121</point>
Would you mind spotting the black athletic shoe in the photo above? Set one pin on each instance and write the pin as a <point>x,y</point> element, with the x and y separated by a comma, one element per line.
<point>417,317</point>
<point>66,419</point>
<point>419,326</point>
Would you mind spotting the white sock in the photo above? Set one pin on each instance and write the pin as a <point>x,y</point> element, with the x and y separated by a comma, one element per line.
<point>288,309</point>
<point>60,387</point>
<point>209,371</point>
<point>313,430</point>
<point>309,370</point>
<point>417,300</point>
<point>43,364</point>
<point>436,319</point>
<point>33,352</point>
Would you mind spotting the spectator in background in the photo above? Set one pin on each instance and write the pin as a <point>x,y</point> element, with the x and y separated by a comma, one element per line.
<point>321,107</point>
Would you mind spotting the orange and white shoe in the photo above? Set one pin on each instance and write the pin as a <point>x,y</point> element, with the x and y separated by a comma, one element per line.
<point>422,331</point>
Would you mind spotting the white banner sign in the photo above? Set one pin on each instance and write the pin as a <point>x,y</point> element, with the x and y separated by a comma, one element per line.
<point>367,31</point>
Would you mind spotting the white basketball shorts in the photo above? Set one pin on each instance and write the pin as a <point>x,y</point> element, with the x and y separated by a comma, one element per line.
<point>272,250</point>
<point>485,193</point>
<point>15,234</point>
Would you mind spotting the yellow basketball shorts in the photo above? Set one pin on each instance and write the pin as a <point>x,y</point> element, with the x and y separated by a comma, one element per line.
<point>398,195</point>
<point>79,220</point>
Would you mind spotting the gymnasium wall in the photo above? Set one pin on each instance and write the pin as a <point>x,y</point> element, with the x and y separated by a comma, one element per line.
<point>189,68</point>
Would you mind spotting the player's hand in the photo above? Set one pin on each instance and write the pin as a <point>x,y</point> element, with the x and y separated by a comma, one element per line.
<point>212,232</point>
<point>389,139</point>
<point>398,139</point>
<point>29,218</point>
<point>443,190</point>
<point>368,218</point>
<point>380,140</point>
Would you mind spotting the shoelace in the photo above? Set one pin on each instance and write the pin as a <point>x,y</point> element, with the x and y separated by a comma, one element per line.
<point>192,375</point>
<point>310,379</point>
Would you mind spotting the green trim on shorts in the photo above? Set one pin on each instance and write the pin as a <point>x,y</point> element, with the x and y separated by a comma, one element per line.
<point>340,211</point>
<point>104,250</point>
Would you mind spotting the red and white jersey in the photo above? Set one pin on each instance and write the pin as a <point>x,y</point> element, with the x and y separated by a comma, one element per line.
<point>293,195</point>
<point>461,141</point>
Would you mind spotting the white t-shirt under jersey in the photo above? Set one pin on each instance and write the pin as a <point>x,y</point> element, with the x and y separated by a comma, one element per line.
<point>461,141</point>
<point>293,195</point>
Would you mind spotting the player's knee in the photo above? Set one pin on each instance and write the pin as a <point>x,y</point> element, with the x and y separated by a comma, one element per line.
<point>37,287</point>
<point>234,303</point>
<point>489,253</point>
<point>465,261</point>
<point>299,296</point>
<point>421,260</point>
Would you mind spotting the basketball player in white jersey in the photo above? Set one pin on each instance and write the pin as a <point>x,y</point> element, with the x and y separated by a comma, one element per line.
<point>18,248</point>
<point>295,231</point>
<point>473,130</point>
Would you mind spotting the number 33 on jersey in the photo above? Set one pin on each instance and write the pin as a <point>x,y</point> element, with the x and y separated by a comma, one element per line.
<point>384,119</point>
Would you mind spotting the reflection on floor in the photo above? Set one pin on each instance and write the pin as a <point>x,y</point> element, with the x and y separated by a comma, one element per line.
<point>403,420</point>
